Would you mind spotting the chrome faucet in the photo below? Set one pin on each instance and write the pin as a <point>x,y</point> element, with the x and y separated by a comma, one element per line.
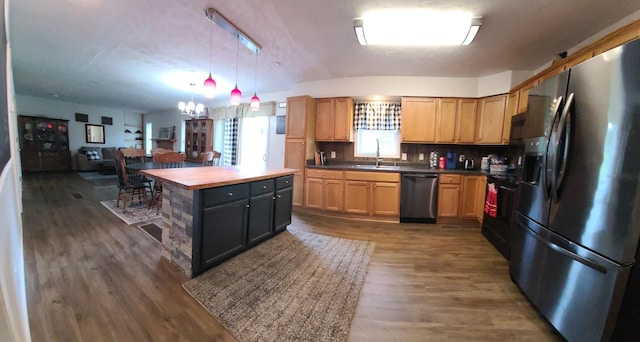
<point>378,152</point>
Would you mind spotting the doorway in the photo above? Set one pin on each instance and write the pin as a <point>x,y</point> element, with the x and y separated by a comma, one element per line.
<point>253,141</point>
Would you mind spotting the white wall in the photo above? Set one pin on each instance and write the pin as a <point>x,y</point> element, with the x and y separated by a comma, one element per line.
<point>275,150</point>
<point>167,118</point>
<point>499,83</point>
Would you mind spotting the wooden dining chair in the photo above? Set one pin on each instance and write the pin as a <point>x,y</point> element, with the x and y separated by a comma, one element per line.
<point>164,161</point>
<point>207,158</point>
<point>216,158</point>
<point>155,151</point>
<point>135,155</point>
<point>127,187</point>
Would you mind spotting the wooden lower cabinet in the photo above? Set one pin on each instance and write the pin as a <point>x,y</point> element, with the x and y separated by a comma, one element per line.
<point>461,197</point>
<point>333,194</point>
<point>314,193</point>
<point>324,190</point>
<point>372,193</point>
<point>356,197</point>
<point>448,200</point>
<point>298,189</point>
<point>384,199</point>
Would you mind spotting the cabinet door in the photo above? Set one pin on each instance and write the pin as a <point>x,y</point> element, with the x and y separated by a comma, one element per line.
<point>314,193</point>
<point>224,229</point>
<point>357,197</point>
<point>325,120</point>
<point>343,119</point>
<point>512,109</point>
<point>282,211</point>
<point>469,195</point>
<point>296,117</point>
<point>260,218</point>
<point>466,121</point>
<point>298,189</point>
<point>448,200</point>
<point>385,199</point>
<point>491,120</point>
<point>418,120</point>
<point>446,120</point>
<point>294,157</point>
<point>333,194</point>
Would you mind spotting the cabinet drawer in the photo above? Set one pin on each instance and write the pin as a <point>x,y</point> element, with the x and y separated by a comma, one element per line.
<point>284,182</point>
<point>225,194</point>
<point>262,187</point>
<point>324,174</point>
<point>372,176</point>
<point>449,179</point>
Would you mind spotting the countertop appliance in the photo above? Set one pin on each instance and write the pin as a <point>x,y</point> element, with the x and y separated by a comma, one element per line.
<point>451,160</point>
<point>418,198</point>
<point>497,229</point>
<point>469,164</point>
<point>576,225</point>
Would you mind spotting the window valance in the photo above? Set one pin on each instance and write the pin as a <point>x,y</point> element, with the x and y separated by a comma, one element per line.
<point>242,111</point>
<point>377,116</point>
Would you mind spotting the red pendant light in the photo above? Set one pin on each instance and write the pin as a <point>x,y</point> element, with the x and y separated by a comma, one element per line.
<point>209,86</point>
<point>236,94</point>
<point>254,104</point>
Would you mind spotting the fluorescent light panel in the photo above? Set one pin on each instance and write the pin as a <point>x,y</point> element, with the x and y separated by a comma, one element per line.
<point>416,28</point>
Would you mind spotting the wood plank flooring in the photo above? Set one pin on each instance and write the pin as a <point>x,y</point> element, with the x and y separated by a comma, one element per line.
<point>91,277</point>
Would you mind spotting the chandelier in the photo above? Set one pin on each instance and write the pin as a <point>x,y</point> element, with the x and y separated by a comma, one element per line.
<point>191,109</point>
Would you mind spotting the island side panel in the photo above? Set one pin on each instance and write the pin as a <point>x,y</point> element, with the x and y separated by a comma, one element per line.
<point>177,233</point>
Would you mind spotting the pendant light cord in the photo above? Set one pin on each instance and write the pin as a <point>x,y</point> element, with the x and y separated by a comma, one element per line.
<point>237,47</point>
<point>255,79</point>
<point>210,45</point>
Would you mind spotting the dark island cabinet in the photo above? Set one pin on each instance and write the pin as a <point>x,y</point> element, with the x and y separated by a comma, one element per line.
<point>261,211</point>
<point>236,217</point>
<point>283,203</point>
<point>224,230</point>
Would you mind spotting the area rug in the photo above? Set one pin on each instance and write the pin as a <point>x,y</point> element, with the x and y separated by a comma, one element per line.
<point>95,175</point>
<point>297,286</point>
<point>135,213</point>
<point>153,230</point>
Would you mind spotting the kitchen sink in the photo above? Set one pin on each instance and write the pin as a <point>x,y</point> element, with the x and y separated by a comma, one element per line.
<point>371,166</point>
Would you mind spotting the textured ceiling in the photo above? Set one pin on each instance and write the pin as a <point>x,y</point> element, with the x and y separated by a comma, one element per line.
<point>119,53</point>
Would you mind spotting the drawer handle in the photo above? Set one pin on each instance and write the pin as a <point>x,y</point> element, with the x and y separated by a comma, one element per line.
<point>264,186</point>
<point>286,182</point>
<point>247,206</point>
<point>230,194</point>
<point>279,196</point>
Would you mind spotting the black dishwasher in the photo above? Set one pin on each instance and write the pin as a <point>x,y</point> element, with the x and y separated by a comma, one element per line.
<point>419,198</point>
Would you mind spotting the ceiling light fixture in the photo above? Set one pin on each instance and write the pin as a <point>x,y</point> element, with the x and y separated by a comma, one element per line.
<point>254,104</point>
<point>191,109</point>
<point>224,23</point>
<point>209,86</point>
<point>236,94</point>
<point>416,28</point>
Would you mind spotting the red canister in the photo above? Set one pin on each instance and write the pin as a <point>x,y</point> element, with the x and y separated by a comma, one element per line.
<point>443,163</point>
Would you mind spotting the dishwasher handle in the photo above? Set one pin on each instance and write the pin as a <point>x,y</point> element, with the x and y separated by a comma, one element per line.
<point>420,175</point>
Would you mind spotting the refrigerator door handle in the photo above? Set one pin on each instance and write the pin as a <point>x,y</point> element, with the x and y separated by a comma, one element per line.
<point>545,179</point>
<point>564,124</point>
<point>567,253</point>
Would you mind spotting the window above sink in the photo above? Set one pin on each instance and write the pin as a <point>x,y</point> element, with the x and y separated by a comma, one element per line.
<point>365,143</point>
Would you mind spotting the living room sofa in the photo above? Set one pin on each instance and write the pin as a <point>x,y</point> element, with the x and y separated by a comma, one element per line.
<point>95,158</point>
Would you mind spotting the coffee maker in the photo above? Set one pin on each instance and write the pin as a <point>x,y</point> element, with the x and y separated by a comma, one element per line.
<point>452,159</point>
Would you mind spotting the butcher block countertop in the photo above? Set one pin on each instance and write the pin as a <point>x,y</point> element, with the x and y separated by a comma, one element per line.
<point>195,178</point>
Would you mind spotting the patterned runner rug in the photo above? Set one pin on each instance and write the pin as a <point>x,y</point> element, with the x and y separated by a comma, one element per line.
<point>135,213</point>
<point>297,286</point>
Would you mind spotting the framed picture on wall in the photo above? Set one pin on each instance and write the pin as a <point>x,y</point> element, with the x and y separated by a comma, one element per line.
<point>280,122</point>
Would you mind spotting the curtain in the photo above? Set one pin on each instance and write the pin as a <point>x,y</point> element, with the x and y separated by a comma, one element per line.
<point>242,111</point>
<point>230,148</point>
<point>377,116</point>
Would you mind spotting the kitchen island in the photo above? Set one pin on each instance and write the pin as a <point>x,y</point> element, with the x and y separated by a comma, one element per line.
<point>210,214</point>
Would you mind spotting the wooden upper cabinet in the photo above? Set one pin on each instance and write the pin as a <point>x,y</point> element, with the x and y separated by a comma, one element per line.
<point>512,109</point>
<point>343,119</point>
<point>325,119</point>
<point>418,119</point>
<point>295,155</point>
<point>300,117</point>
<point>446,120</point>
<point>466,121</point>
<point>334,119</point>
<point>491,119</point>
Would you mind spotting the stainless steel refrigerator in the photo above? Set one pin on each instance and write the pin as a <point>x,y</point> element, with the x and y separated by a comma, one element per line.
<point>575,232</point>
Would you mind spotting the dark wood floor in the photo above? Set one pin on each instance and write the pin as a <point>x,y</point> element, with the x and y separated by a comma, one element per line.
<point>91,277</point>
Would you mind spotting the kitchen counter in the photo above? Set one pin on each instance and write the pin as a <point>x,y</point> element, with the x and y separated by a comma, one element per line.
<point>399,168</point>
<point>195,178</point>
<point>210,214</point>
